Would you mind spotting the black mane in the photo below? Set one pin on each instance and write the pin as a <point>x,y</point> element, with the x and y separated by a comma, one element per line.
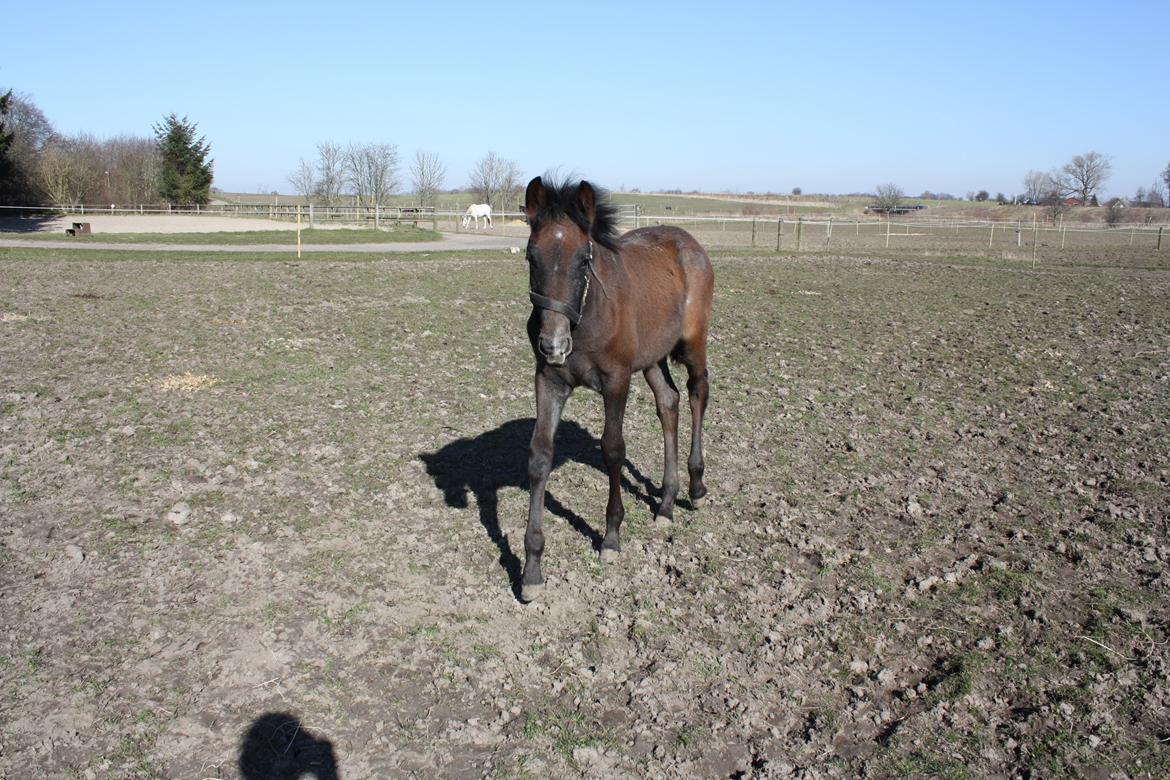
<point>562,201</point>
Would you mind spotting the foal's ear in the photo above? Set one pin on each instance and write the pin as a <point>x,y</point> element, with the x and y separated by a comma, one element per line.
<point>587,201</point>
<point>534,198</point>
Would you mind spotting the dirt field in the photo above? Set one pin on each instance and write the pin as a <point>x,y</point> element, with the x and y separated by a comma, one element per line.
<point>263,518</point>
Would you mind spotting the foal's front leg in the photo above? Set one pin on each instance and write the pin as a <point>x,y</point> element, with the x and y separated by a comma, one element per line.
<point>613,452</point>
<point>550,402</point>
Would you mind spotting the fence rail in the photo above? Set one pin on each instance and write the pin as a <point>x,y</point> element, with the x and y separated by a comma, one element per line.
<point>858,233</point>
<point>310,215</point>
<point>780,233</point>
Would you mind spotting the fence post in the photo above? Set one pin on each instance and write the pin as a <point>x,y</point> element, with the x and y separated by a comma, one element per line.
<point>799,227</point>
<point>991,240</point>
<point>1159,247</point>
<point>829,232</point>
<point>780,231</point>
<point>887,231</point>
<point>753,231</point>
<point>1035,241</point>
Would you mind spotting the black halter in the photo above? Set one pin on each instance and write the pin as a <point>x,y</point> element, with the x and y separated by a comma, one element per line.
<point>574,315</point>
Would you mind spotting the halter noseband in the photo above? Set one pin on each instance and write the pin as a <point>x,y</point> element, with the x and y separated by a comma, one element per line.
<point>552,304</point>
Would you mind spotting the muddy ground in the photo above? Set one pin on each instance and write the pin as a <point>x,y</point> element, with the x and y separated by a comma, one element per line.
<point>264,517</point>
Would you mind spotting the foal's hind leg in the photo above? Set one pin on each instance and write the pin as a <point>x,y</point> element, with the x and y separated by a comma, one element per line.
<point>666,399</point>
<point>697,391</point>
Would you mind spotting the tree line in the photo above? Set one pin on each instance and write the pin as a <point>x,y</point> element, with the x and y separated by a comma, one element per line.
<point>1077,182</point>
<point>39,165</point>
<point>369,173</point>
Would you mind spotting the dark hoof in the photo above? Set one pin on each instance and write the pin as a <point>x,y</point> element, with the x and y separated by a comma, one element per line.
<point>697,492</point>
<point>529,593</point>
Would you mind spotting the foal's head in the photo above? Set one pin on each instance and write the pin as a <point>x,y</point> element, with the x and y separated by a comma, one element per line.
<point>567,220</point>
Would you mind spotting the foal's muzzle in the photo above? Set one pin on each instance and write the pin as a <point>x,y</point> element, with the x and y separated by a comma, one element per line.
<point>556,349</point>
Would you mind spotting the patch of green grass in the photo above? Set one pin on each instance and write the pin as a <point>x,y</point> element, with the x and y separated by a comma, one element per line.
<point>21,667</point>
<point>482,652</point>
<point>566,729</point>
<point>708,669</point>
<point>423,631</point>
<point>923,763</point>
<point>321,565</point>
<point>328,676</point>
<point>275,614</point>
<point>868,576</point>
<point>345,622</point>
<point>133,750</point>
<point>955,677</point>
<point>689,734</point>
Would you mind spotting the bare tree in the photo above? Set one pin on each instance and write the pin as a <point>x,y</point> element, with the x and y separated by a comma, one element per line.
<point>1113,212</point>
<point>372,171</point>
<point>1155,198</point>
<point>1083,176</point>
<point>330,172</point>
<point>304,179</point>
<point>68,170</point>
<point>1036,186</point>
<point>131,169</point>
<point>28,133</point>
<point>426,174</point>
<point>31,130</point>
<point>80,168</point>
<point>495,180</point>
<point>1165,175</point>
<point>1053,200</point>
<point>888,197</point>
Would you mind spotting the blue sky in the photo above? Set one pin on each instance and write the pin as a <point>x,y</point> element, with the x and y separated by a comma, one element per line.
<point>837,97</point>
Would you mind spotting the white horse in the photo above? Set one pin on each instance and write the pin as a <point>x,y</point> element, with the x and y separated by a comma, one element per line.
<point>475,211</point>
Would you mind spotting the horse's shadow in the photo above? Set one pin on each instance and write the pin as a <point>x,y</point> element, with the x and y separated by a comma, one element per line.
<point>498,459</point>
<point>278,747</point>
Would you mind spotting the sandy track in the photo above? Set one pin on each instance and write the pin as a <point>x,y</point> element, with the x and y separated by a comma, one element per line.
<point>146,223</point>
<point>11,231</point>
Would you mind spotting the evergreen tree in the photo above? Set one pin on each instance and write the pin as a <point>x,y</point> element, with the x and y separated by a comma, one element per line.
<point>186,171</point>
<point>7,168</point>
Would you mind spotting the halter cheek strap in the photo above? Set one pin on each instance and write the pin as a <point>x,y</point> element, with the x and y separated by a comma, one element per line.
<point>561,308</point>
<point>574,315</point>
